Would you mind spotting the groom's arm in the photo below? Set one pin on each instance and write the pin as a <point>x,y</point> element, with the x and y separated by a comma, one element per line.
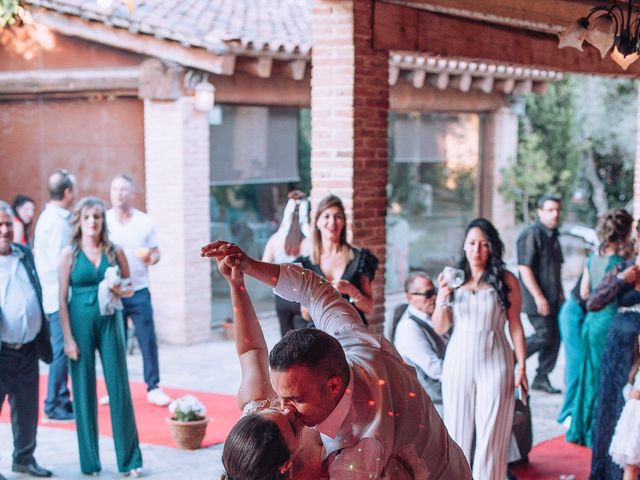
<point>329,311</point>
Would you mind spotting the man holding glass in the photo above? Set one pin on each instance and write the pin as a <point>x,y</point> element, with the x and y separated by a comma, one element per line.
<point>133,231</point>
<point>539,264</point>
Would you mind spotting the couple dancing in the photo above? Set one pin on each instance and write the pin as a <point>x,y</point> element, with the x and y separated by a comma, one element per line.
<point>337,401</point>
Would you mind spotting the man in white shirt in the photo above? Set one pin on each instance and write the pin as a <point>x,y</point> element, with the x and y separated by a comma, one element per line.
<point>133,230</point>
<point>414,336</point>
<point>374,417</point>
<point>52,234</point>
<point>24,338</point>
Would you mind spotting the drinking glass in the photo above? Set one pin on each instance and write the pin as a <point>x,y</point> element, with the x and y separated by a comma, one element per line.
<point>453,276</point>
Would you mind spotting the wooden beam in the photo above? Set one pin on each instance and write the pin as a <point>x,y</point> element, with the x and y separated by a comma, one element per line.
<point>220,63</point>
<point>538,15</point>
<point>70,80</point>
<point>523,86</point>
<point>260,67</point>
<point>541,87</point>
<point>417,78</point>
<point>505,85</point>
<point>160,80</point>
<point>405,98</point>
<point>398,27</point>
<point>484,84</point>
<point>461,82</point>
<point>298,69</point>
<point>440,80</point>
<point>394,72</point>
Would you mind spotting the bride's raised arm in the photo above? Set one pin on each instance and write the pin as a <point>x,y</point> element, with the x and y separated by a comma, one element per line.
<point>250,343</point>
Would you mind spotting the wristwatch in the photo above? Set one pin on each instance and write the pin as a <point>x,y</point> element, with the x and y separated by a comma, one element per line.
<point>620,276</point>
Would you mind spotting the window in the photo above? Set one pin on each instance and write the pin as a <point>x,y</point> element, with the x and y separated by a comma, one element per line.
<point>258,154</point>
<point>433,165</point>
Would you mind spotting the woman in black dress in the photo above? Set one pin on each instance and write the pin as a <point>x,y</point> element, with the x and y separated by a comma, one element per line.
<point>349,269</point>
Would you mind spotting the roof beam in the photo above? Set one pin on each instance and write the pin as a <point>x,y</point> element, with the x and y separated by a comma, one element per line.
<point>166,50</point>
<point>398,27</point>
<point>70,81</point>
<point>538,15</point>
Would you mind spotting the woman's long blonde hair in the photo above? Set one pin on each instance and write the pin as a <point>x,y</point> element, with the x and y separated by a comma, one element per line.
<point>327,202</point>
<point>76,231</point>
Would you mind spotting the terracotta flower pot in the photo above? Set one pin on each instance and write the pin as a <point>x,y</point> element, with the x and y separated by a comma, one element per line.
<point>188,435</point>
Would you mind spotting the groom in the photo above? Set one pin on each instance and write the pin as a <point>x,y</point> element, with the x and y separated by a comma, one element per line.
<point>351,385</point>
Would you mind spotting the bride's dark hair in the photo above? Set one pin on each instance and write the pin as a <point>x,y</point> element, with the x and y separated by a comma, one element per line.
<point>494,271</point>
<point>254,450</point>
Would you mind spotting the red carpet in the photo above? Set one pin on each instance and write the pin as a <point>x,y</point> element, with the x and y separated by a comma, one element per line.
<point>222,411</point>
<point>548,460</point>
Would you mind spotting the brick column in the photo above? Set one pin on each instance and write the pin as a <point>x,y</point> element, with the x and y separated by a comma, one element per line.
<point>177,182</point>
<point>499,150</point>
<point>349,109</point>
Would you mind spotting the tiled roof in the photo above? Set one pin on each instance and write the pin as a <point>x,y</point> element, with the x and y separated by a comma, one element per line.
<point>216,25</point>
<point>248,27</point>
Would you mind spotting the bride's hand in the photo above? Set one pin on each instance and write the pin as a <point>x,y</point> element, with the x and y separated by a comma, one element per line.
<point>229,267</point>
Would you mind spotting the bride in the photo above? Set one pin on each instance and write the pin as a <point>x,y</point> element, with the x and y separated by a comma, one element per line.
<point>267,442</point>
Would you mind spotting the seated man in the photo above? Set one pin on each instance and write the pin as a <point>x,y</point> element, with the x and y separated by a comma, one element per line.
<point>414,336</point>
<point>351,385</point>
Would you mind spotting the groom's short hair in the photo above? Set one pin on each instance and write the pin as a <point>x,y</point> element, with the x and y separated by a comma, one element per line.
<point>310,348</point>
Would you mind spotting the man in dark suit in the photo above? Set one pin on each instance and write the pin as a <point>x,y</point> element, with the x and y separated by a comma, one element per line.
<point>24,338</point>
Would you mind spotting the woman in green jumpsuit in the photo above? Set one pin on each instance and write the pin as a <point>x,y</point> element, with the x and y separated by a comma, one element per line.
<point>613,231</point>
<point>85,330</point>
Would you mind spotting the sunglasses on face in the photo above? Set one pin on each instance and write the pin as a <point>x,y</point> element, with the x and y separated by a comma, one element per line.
<point>427,294</point>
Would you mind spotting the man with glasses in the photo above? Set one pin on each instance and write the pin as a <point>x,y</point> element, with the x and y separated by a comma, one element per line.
<point>52,234</point>
<point>414,337</point>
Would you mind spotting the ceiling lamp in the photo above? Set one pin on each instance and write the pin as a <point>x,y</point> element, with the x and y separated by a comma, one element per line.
<point>606,26</point>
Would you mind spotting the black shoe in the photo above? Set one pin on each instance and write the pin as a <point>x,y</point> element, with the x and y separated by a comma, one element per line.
<point>542,383</point>
<point>59,415</point>
<point>32,469</point>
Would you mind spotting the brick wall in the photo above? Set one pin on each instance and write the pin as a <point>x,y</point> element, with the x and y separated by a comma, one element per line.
<point>350,104</point>
<point>177,182</point>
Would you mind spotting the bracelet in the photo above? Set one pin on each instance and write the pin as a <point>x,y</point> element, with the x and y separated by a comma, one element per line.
<point>446,305</point>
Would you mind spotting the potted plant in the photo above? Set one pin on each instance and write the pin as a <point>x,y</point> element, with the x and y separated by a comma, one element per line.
<point>188,423</point>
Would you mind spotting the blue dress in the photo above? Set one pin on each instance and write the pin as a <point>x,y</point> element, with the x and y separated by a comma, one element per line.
<point>616,363</point>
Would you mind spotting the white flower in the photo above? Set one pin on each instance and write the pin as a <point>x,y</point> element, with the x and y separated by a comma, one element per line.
<point>187,408</point>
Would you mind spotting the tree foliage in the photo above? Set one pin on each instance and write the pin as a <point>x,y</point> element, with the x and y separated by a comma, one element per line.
<point>578,140</point>
<point>547,155</point>
<point>9,12</point>
<point>529,177</point>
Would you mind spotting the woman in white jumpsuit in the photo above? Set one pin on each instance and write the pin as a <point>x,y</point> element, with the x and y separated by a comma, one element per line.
<point>477,377</point>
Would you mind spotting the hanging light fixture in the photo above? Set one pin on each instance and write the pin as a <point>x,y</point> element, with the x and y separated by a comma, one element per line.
<point>197,82</point>
<point>606,26</point>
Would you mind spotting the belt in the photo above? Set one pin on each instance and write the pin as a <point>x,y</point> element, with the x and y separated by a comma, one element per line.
<point>631,308</point>
<point>15,346</point>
